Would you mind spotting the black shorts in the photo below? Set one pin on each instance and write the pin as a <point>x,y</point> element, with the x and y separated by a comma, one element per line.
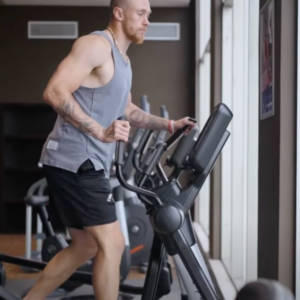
<point>78,200</point>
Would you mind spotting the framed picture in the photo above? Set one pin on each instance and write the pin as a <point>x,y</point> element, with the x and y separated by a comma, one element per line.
<point>266,59</point>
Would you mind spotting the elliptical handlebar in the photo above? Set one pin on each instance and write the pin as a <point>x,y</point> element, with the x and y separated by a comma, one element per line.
<point>120,152</point>
<point>177,135</point>
<point>120,148</point>
<point>119,162</point>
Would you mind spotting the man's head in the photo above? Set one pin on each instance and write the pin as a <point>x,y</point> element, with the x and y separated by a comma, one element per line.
<point>132,16</point>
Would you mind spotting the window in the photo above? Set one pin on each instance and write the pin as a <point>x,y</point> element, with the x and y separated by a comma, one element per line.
<point>203,8</point>
<point>240,154</point>
<point>239,158</point>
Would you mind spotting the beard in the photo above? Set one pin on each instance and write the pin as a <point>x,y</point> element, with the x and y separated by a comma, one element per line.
<point>139,39</point>
<point>136,38</point>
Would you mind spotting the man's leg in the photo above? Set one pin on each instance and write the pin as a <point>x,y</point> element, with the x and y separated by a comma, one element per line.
<point>86,193</point>
<point>64,264</point>
<point>106,273</point>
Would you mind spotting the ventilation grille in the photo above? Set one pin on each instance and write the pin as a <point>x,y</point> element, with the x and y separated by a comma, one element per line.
<point>52,30</point>
<point>69,30</point>
<point>163,32</point>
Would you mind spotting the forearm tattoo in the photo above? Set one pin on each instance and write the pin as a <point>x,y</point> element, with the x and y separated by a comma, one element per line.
<point>72,113</point>
<point>141,119</point>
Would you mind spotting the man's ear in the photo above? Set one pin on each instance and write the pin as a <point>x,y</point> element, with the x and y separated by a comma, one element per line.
<point>118,13</point>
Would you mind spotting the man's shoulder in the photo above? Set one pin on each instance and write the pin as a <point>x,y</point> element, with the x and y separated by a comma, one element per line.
<point>94,38</point>
<point>92,45</point>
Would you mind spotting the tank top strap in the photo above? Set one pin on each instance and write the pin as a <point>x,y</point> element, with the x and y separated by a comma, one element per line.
<point>104,34</point>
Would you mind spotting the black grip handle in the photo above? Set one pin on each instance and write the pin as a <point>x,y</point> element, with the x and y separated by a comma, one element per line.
<point>178,133</point>
<point>120,148</point>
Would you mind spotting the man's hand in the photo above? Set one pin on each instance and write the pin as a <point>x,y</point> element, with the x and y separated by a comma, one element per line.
<point>183,122</point>
<point>118,130</point>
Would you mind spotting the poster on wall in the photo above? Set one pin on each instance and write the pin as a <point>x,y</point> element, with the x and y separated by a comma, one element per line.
<point>266,53</point>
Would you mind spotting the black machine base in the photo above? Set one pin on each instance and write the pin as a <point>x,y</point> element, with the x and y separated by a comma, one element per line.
<point>170,236</point>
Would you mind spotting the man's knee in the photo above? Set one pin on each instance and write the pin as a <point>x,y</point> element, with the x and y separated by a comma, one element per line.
<point>87,251</point>
<point>118,243</point>
<point>83,243</point>
<point>112,246</point>
<point>109,239</point>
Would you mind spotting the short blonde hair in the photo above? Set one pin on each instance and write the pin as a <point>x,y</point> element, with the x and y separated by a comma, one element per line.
<point>115,3</point>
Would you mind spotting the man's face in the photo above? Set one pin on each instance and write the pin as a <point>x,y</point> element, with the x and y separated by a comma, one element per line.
<point>136,20</point>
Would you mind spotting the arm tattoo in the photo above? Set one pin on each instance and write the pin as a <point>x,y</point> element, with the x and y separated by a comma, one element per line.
<point>141,119</point>
<point>72,113</point>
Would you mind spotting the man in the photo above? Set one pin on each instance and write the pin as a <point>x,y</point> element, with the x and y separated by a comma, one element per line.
<point>90,90</point>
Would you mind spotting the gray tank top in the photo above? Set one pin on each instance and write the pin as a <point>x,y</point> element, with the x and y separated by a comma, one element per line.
<point>67,147</point>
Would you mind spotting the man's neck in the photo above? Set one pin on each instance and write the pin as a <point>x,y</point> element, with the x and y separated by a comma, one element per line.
<point>121,40</point>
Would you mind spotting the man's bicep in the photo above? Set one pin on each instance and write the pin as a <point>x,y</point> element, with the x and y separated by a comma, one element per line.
<point>83,58</point>
<point>70,74</point>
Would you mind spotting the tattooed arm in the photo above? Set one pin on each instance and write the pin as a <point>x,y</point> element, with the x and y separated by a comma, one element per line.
<point>139,118</point>
<point>70,111</point>
<point>87,53</point>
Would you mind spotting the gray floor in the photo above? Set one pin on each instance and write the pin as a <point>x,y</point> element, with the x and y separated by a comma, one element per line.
<point>18,287</point>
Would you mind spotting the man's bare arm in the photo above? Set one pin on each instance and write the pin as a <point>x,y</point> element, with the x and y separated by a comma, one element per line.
<point>87,53</point>
<point>71,112</point>
<point>139,118</point>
